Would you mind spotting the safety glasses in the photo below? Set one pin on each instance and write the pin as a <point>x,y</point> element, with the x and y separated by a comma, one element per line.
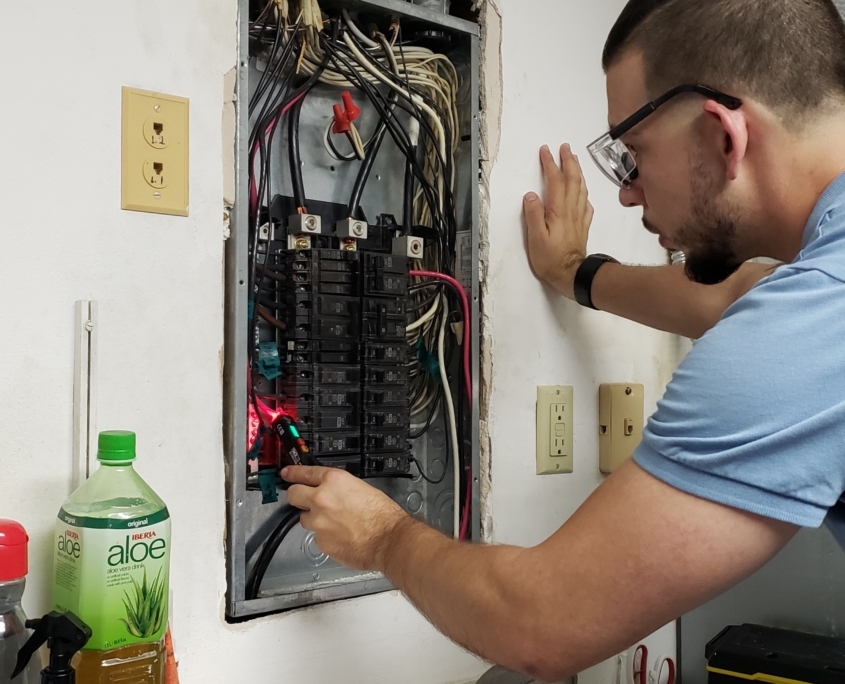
<point>611,155</point>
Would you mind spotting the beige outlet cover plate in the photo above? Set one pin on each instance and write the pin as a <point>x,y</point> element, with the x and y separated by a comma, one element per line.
<point>554,430</point>
<point>621,417</point>
<point>155,152</point>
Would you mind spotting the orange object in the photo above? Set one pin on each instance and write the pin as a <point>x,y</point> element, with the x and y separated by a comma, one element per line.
<point>171,668</point>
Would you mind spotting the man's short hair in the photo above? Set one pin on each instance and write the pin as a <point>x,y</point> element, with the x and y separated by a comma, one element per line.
<point>787,54</point>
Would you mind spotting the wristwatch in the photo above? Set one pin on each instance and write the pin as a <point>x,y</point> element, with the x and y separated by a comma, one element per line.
<point>584,278</point>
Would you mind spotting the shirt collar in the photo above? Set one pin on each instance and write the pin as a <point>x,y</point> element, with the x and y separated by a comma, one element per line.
<point>835,194</point>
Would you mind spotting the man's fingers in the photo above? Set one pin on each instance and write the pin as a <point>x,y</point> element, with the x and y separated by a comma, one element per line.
<point>306,520</point>
<point>313,476</point>
<point>555,182</point>
<point>535,215</point>
<point>583,193</point>
<point>299,496</point>
<point>571,170</point>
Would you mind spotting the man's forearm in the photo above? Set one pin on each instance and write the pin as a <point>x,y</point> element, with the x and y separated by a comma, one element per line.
<point>662,297</point>
<point>472,593</point>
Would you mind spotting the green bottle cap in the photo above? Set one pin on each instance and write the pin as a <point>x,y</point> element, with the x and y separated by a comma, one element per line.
<point>116,445</point>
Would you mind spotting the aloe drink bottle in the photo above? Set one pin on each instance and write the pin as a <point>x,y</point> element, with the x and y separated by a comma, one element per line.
<point>112,568</point>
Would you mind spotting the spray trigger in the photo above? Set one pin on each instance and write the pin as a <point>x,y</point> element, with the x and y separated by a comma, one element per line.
<point>66,633</point>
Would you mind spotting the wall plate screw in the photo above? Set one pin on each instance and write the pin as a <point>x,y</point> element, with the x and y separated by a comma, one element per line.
<point>157,108</point>
<point>157,195</point>
<point>629,391</point>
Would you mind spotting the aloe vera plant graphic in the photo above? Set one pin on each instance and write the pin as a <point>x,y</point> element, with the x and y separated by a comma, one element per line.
<point>145,607</point>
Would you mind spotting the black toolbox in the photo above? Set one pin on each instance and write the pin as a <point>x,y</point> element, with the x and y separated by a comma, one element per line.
<point>743,653</point>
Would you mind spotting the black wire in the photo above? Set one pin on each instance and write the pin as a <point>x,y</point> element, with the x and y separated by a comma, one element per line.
<point>427,478</point>
<point>341,59</point>
<point>408,199</point>
<point>424,304</point>
<point>340,156</point>
<point>363,176</point>
<point>295,155</point>
<point>270,71</point>
<point>354,205</point>
<point>271,117</point>
<point>432,411</point>
<point>289,520</point>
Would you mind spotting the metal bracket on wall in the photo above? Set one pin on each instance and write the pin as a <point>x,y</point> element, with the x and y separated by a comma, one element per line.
<point>84,391</point>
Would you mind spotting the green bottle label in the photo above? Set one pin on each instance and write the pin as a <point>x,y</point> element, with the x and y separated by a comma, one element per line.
<point>114,574</point>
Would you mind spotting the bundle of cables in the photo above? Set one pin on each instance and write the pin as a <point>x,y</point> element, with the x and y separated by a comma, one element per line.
<point>413,91</point>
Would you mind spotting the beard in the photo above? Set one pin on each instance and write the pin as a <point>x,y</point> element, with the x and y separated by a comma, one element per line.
<point>709,238</point>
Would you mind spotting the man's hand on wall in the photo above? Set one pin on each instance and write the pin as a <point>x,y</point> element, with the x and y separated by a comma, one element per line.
<point>557,231</point>
<point>352,520</point>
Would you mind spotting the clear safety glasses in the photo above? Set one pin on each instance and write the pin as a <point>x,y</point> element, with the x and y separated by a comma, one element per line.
<point>611,155</point>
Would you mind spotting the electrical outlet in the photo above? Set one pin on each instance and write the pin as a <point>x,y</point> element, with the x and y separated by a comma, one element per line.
<point>554,430</point>
<point>621,418</point>
<point>155,153</point>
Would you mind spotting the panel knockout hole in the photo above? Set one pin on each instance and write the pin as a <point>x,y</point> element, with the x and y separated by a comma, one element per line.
<point>154,174</point>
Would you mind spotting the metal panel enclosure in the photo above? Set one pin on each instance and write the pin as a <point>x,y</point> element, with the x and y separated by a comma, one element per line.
<point>300,574</point>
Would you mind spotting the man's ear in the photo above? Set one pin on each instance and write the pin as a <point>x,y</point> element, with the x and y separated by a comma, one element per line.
<point>733,134</point>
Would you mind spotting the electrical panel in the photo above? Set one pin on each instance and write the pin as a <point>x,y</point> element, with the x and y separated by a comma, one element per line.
<point>352,281</point>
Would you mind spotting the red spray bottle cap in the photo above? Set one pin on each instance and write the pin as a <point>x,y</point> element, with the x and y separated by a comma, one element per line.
<point>13,555</point>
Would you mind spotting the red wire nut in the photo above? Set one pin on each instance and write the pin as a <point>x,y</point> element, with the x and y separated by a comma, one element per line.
<point>349,107</point>
<point>341,121</point>
<point>344,116</point>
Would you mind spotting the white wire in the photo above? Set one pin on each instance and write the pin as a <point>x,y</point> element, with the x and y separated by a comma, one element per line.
<point>453,427</point>
<point>366,62</point>
<point>428,315</point>
<point>357,143</point>
<point>358,33</point>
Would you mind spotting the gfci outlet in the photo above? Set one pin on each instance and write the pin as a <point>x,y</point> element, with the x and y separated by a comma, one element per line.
<point>155,152</point>
<point>554,430</point>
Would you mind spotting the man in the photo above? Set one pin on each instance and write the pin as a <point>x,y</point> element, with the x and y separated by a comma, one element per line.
<point>740,155</point>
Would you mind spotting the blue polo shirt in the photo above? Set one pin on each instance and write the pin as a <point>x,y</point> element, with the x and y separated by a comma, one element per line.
<point>754,417</point>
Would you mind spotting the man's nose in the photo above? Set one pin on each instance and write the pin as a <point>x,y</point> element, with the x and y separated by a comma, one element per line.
<point>631,196</point>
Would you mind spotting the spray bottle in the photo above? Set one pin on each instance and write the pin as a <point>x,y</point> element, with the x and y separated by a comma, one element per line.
<point>13,569</point>
<point>66,634</point>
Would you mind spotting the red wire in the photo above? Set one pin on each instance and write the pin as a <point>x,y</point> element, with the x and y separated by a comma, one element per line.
<point>467,377</point>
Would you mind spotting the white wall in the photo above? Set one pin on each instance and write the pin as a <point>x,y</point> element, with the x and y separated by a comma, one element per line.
<point>554,93</point>
<point>159,284</point>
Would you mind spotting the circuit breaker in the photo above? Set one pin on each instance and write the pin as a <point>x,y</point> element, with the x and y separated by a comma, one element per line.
<point>351,281</point>
<point>342,368</point>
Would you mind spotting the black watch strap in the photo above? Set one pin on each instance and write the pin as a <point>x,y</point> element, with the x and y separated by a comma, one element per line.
<point>584,278</point>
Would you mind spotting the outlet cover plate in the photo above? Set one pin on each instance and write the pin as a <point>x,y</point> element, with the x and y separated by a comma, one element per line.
<point>155,152</point>
<point>621,418</point>
<point>554,430</point>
